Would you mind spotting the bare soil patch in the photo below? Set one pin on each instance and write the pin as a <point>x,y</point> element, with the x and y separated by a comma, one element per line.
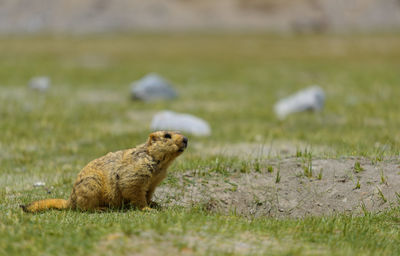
<point>336,186</point>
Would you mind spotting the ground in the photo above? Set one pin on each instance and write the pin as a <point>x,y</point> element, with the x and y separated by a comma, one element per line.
<point>288,188</point>
<point>94,16</point>
<point>316,183</point>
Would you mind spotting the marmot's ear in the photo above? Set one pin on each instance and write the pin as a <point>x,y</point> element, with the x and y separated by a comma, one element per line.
<point>152,138</point>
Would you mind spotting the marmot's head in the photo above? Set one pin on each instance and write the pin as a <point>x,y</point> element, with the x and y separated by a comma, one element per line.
<point>166,145</point>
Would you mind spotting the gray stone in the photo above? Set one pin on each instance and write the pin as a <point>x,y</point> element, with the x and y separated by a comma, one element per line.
<point>169,120</point>
<point>40,83</point>
<point>312,98</point>
<point>39,184</point>
<point>152,87</point>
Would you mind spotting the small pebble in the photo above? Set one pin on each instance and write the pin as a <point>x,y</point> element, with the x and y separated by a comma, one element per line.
<point>39,184</point>
<point>40,83</point>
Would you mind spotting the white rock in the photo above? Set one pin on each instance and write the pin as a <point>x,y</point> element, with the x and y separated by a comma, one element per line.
<point>312,98</point>
<point>169,120</point>
<point>40,83</point>
<point>39,184</point>
<point>152,87</point>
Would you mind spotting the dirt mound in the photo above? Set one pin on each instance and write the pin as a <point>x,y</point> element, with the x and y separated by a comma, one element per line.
<point>294,187</point>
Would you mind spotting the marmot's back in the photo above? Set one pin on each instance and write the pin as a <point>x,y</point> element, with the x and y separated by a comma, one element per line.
<point>105,163</point>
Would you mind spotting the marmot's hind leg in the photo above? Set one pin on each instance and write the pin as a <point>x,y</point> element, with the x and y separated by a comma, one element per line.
<point>87,194</point>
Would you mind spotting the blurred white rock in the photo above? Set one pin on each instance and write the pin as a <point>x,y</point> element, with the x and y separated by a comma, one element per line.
<point>312,98</point>
<point>152,87</point>
<point>40,83</point>
<point>169,120</point>
<point>39,184</point>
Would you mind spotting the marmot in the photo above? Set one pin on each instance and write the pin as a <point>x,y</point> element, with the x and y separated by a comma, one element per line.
<point>123,178</point>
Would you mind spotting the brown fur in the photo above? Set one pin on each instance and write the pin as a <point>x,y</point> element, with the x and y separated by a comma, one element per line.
<point>126,177</point>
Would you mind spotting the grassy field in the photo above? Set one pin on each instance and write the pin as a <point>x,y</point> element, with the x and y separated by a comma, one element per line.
<point>232,81</point>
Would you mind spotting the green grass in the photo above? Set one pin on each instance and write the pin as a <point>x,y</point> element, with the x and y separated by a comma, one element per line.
<point>232,81</point>
<point>81,233</point>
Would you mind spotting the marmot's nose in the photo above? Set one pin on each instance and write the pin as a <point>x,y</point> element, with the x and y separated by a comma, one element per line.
<point>185,141</point>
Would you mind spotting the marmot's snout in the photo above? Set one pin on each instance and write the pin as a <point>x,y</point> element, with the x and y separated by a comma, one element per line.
<point>184,144</point>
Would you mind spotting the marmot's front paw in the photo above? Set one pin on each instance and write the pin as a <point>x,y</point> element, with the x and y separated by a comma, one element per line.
<point>147,209</point>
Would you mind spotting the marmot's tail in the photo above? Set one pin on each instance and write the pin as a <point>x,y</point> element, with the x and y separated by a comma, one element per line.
<point>46,204</point>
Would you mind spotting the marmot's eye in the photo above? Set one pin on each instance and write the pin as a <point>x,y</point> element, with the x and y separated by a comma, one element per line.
<point>167,136</point>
